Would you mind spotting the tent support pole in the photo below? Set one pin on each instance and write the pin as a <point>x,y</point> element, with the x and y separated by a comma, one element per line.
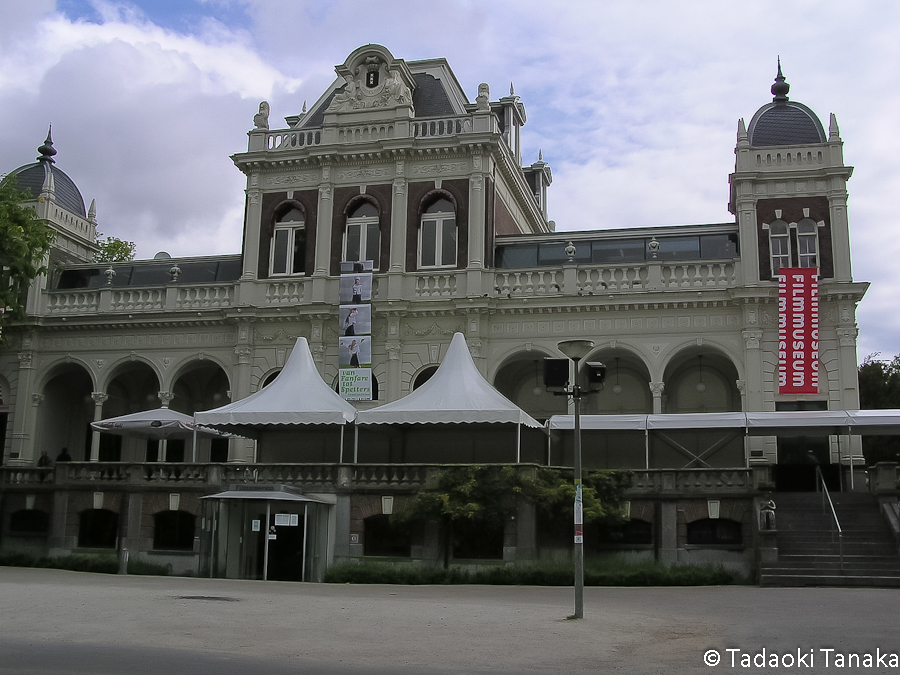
<point>355,444</point>
<point>194,447</point>
<point>266,543</point>
<point>548,444</point>
<point>647,449</point>
<point>519,443</point>
<point>303,559</point>
<point>341,451</point>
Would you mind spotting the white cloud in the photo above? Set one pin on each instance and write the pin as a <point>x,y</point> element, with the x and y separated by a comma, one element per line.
<point>634,104</point>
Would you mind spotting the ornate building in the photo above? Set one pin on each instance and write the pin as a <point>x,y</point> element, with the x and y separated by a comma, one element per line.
<point>395,166</point>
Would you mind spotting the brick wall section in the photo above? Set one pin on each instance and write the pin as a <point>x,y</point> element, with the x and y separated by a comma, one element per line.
<point>349,198</point>
<point>275,204</point>
<point>419,197</point>
<point>792,212</point>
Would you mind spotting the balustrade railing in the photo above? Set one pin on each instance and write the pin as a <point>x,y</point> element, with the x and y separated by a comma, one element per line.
<point>204,297</point>
<point>293,138</point>
<point>446,126</point>
<point>73,302</point>
<point>529,282</point>
<point>701,481</point>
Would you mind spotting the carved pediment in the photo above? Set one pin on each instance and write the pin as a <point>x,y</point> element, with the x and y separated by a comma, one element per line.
<point>374,79</point>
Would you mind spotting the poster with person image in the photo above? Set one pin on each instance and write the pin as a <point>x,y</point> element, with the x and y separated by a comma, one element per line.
<point>355,320</point>
<point>356,283</point>
<point>355,352</point>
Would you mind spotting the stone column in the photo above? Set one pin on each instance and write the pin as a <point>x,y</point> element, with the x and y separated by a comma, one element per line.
<point>392,386</point>
<point>324,225</point>
<point>252,231</point>
<point>99,399</point>
<point>657,389</point>
<point>24,418</point>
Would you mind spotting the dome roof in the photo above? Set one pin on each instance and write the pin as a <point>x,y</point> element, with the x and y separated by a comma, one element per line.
<point>31,177</point>
<point>784,122</point>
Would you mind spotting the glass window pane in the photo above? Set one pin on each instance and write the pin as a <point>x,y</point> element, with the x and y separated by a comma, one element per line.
<point>718,246</point>
<point>279,252</point>
<point>440,206</point>
<point>365,210</point>
<point>372,242</point>
<point>299,262</point>
<point>292,216</point>
<point>616,251</point>
<point>429,243</point>
<point>509,257</point>
<point>679,248</point>
<point>353,235</point>
<point>448,243</point>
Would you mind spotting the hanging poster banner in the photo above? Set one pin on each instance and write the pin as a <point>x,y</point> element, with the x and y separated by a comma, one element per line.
<point>798,331</point>
<point>355,331</point>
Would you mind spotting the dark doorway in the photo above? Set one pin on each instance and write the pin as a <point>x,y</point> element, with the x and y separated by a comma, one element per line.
<point>285,550</point>
<point>798,456</point>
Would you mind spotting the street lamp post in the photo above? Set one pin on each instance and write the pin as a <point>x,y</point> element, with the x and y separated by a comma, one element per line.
<point>577,350</point>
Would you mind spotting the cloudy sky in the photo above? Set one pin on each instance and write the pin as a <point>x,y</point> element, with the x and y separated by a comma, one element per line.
<point>634,103</point>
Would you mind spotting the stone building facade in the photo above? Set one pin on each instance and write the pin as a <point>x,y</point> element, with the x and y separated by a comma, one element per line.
<point>393,164</point>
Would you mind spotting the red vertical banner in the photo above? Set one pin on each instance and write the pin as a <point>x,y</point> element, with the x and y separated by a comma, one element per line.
<point>798,330</point>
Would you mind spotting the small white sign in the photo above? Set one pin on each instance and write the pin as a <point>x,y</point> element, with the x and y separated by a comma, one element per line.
<point>283,519</point>
<point>579,539</point>
<point>295,520</point>
<point>579,514</point>
<point>273,537</point>
<point>254,525</point>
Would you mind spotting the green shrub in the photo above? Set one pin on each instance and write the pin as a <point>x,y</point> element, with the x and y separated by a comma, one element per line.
<point>97,563</point>
<point>607,571</point>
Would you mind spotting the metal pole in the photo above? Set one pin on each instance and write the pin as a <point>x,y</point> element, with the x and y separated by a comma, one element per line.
<point>579,527</point>
<point>303,559</point>
<point>266,543</point>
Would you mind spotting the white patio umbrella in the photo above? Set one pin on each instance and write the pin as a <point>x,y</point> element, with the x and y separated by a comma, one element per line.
<point>160,423</point>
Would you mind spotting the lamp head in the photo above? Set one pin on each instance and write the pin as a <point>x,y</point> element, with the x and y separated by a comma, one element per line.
<point>576,349</point>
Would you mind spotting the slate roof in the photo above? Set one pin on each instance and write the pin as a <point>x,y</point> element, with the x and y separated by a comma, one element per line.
<point>785,123</point>
<point>31,177</point>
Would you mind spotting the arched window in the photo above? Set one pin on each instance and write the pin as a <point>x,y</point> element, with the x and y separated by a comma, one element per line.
<point>780,246</point>
<point>363,238</point>
<point>424,376</point>
<point>437,235</point>
<point>98,528</point>
<point>808,243</point>
<point>173,531</point>
<point>288,254</point>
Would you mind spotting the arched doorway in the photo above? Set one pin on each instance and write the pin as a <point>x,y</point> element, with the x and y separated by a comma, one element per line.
<point>65,413</point>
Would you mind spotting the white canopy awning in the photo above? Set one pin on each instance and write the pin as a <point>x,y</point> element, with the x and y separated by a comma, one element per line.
<point>456,394</point>
<point>778,423</point>
<point>158,423</point>
<point>297,396</point>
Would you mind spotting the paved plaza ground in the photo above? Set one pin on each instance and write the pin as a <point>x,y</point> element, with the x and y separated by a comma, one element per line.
<point>70,622</point>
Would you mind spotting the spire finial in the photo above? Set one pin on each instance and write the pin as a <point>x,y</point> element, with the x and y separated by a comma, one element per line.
<point>540,155</point>
<point>47,150</point>
<point>781,88</point>
<point>304,106</point>
<point>512,91</point>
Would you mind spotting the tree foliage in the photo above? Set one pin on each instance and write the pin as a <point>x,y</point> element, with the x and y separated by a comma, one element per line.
<point>113,249</point>
<point>489,495</point>
<point>24,242</point>
<point>879,388</point>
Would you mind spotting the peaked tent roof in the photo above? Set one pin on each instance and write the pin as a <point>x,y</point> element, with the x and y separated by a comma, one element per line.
<point>456,393</point>
<point>158,423</point>
<point>298,395</point>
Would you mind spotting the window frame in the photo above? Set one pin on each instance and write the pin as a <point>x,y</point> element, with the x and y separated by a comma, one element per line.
<point>442,220</point>
<point>811,236</point>
<point>292,228</point>
<point>363,223</point>
<point>784,237</point>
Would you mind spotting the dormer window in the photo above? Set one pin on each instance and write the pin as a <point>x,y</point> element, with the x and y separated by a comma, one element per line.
<point>363,238</point>
<point>288,255</point>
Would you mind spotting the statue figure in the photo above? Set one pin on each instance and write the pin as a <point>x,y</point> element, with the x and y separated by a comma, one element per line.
<point>261,119</point>
<point>484,96</point>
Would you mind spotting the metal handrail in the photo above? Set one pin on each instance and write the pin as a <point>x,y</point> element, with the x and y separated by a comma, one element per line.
<point>820,481</point>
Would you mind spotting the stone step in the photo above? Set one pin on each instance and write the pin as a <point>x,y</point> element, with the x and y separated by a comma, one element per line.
<point>829,580</point>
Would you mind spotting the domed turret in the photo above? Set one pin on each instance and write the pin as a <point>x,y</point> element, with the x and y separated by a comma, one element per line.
<point>33,177</point>
<point>784,122</point>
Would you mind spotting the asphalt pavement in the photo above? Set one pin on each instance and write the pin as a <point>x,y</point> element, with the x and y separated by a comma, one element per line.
<point>70,622</point>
